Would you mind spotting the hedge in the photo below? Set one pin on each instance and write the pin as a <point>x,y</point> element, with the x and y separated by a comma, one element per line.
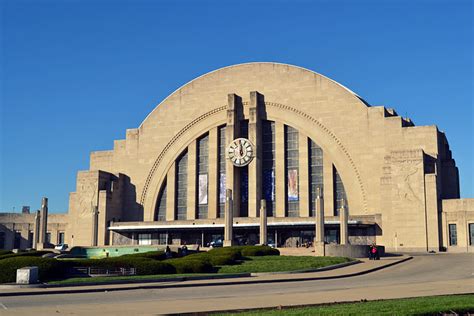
<point>156,255</point>
<point>25,254</point>
<point>5,252</point>
<point>196,265</point>
<point>48,268</point>
<point>252,251</point>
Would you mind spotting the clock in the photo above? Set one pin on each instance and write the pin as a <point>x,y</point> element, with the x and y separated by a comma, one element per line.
<point>240,152</point>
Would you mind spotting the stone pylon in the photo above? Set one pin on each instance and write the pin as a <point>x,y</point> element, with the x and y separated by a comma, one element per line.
<point>319,236</point>
<point>43,220</point>
<point>229,219</point>
<point>343,219</point>
<point>95,225</point>
<point>263,222</point>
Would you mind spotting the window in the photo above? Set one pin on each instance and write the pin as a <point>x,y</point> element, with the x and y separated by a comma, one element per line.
<point>202,176</point>
<point>453,235</point>
<point>268,165</point>
<point>244,175</point>
<point>471,234</point>
<point>30,239</point>
<point>222,162</point>
<point>161,205</point>
<point>2,240</point>
<point>17,241</point>
<point>315,174</point>
<point>181,186</point>
<point>339,193</point>
<point>144,239</point>
<point>60,238</point>
<point>292,165</point>
<point>48,238</point>
<point>162,238</point>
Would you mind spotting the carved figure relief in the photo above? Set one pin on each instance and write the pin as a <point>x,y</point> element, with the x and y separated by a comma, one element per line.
<point>88,197</point>
<point>407,173</point>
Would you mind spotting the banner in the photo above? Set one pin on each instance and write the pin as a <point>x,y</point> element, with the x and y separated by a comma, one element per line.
<point>293,185</point>
<point>222,188</point>
<point>202,196</point>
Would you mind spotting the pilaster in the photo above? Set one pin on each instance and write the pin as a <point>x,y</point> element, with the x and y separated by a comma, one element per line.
<point>280,183</point>
<point>213,180</point>
<point>231,133</point>
<point>191,181</point>
<point>255,166</point>
<point>303,175</point>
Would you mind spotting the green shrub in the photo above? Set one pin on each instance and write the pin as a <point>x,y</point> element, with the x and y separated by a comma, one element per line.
<point>147,267</point>
<point>5,252</point>
<point>252,251</point>
<point>48,268</point>
<point>191,265</point>
<point>156,255</point>
<point>24,254</point>
<point>234,252</point>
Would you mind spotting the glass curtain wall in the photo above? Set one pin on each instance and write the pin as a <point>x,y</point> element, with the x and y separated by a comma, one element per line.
<point>315,174</point>
<point>339,193</point>
<point>161,205</point>
<point>292,165</point>
<point>202,176</point>
<point>268,165</point>
<point>181,186</point>
<point>222,161</point>
<point>244,175</point>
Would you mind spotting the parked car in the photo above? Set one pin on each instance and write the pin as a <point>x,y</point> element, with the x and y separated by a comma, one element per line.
<point>216,243</point>
<point>61,247</point>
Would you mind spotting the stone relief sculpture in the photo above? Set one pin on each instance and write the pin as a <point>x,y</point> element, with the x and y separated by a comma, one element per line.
<point>88,197</point>
<point>406,172</point>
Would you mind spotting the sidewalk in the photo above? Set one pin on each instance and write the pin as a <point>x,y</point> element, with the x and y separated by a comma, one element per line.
<point>365,266</point>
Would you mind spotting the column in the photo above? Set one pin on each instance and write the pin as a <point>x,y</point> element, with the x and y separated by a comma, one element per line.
<point>37,228</point>
<point>43,221</point>
<point>229,219</point>
<point>231,133</point>
<point>213,174</point>
<point>328,183</point>
<point>319,236</point>
<point>171,193</point>
<point>303,175</point>
<point>255,166</point>
<point>280,179</point>
<point>95,225</point>
<point>191,194</point>
<point>263,222</point>
<point>343,219</point>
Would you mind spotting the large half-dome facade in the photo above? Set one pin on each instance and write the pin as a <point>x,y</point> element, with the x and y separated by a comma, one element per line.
<point>308,135</point>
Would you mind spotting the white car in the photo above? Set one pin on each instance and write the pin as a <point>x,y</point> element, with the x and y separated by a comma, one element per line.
<point>61,247</point>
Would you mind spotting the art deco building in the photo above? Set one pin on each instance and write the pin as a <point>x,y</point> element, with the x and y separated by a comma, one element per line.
<point>299,133</point>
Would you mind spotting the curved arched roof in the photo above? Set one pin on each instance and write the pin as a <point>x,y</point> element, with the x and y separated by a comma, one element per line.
<point>247,64</point>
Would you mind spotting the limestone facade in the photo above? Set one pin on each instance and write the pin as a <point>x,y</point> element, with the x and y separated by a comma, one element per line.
<point>166,176</point>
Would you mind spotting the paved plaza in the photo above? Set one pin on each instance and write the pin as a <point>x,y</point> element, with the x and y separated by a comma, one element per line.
<point>423,275</point>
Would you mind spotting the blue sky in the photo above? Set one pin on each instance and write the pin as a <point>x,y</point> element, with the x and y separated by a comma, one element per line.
<point>76,74</point>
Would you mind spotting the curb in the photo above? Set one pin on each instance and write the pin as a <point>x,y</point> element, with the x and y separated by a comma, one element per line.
<point>163,286</point>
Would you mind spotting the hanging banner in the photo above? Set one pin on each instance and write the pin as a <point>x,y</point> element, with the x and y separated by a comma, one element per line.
<point>222,188</point>
<point>293,185</point>
<point>202,197</point>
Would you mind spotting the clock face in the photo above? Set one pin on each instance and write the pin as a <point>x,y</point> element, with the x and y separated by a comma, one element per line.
<point>240,152</point>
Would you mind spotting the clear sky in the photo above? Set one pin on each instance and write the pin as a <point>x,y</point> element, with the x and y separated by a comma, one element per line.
<point>76,74</point>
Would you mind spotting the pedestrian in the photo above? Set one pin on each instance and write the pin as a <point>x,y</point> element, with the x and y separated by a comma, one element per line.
<point>168,253</point>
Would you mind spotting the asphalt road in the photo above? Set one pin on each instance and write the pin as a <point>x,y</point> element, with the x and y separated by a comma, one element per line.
<point>422,276</point>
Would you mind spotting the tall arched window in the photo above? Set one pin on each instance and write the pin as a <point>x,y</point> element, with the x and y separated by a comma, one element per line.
<point>181,186</point>
<point>202,176</point>
<point>292,167</point>
<point>160,214</point>
<point>315,174</point>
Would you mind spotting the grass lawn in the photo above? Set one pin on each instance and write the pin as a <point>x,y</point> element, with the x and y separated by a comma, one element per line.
<point>281,263</point>
<point>431,305</point>
<point>124,278</point>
